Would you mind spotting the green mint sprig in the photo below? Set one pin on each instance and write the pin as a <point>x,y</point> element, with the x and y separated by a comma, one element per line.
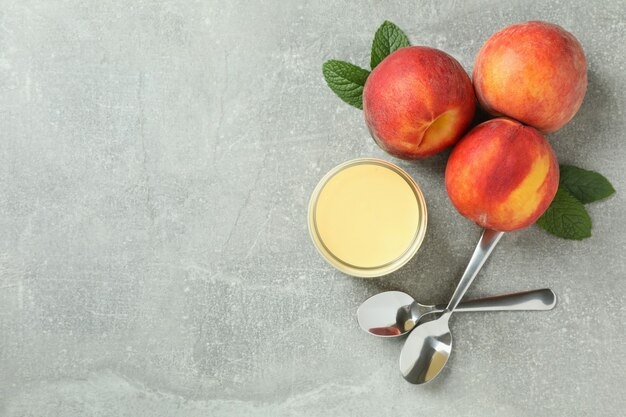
<point>586,186</point>
<point>347,80</point>
<point>566,217</point>
<point>388,38</point>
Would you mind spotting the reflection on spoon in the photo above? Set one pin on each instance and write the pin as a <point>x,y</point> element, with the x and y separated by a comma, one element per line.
<point>385,331</point>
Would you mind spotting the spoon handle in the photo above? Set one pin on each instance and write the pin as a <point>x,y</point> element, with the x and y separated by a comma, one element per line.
<point>488,240</point>
<point>538,300</point>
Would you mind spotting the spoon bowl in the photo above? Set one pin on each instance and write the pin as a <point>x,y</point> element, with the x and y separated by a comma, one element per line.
<point>431,346</point>
<point>389,314</point>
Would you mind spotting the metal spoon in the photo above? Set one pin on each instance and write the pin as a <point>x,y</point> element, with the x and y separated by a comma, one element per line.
<point>427,349</point>
<point>394,313</point>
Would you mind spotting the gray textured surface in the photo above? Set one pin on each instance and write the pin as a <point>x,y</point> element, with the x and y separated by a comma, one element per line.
<point>156,159</point>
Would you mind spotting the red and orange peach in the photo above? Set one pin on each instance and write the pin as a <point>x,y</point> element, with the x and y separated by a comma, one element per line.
<point>534,72</point>
<point>502,175</point>
<point>417,102</point>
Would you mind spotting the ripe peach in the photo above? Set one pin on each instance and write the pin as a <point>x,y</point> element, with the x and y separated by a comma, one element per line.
<point>534,72</point>
<point>502,175</point>
<point>417,102</point>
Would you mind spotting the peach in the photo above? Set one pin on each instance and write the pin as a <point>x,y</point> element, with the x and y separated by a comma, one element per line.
<point>417,102</point>
<point>534,72</point>
<point>502,175</point>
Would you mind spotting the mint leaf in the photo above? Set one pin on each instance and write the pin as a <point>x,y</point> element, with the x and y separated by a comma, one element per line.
<point>566,217</point>
<point>346,80</point>
<point>586,186</point>
<point>388,38</point>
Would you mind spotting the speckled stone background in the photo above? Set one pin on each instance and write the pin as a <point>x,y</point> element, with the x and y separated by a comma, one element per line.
<point>156,160</point>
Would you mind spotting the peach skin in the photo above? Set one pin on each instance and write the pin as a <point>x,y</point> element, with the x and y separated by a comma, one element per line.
<point>534,72</point>
<point>417,102</point>
<point>502,175</point>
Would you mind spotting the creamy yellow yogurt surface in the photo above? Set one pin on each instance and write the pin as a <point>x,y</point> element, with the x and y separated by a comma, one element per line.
<point>367,215</point>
